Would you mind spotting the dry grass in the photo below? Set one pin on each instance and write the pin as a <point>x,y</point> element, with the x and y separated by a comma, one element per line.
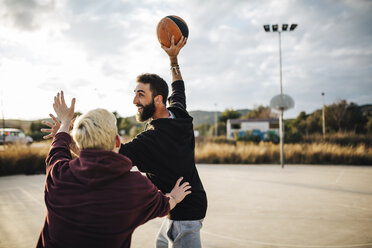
<point>316,153</point>
<point>22,159</point>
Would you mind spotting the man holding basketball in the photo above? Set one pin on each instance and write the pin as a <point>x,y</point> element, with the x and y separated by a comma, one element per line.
<point>165,151</point>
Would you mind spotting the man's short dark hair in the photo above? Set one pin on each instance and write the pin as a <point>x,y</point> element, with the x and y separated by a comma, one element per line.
<point>157,85</point>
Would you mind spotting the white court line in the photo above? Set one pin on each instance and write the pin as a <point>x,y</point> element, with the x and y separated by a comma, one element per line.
<point>339,177</point>
<point>283,245</point>
<point>31,197</point>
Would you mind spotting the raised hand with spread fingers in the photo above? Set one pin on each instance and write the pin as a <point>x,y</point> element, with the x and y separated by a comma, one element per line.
<point>65,114</point>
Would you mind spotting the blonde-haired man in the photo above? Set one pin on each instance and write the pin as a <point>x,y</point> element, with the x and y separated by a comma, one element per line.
<point>96,129</point>
<point>95,200</point>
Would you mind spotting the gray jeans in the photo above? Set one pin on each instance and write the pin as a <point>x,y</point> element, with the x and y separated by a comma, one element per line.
<point>179,234</point>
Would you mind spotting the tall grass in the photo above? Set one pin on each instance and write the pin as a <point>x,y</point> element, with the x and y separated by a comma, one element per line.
<point>22,159</point>
<point>250,153</point>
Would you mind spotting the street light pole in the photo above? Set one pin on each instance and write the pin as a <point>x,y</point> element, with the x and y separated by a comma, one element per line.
<point>2,111</point>
<point>215,119</point>
<point>281,131</point>
<point>280,62</point>
<point>275,28</point>
<point>323,117</point>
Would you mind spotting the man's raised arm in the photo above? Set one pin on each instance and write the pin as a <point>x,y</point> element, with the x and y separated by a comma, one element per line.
<point>178,96</point>
<point>173,52</point>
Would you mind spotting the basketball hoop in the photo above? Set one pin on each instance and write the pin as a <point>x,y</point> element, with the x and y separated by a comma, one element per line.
<point>282,102</point>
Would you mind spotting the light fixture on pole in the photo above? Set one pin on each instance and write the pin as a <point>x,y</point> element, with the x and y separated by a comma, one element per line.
<point>281,102</point>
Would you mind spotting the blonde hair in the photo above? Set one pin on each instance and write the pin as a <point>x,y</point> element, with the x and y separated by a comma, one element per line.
<point>95,129</point>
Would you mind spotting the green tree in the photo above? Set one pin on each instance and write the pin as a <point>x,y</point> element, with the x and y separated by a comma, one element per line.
<point>344,116</point>
<point>356,121</point>
<point>35,132</point>
<point>300,121</point>
<point>369,125</point>
<point>118,119</point>
<point>335,114</point>
<point>314,123</point>
<point>297,125</point>
<point>261,112</point>
<point>222,119</point>
<point>229,114</point>
<point>204,129</point>
<point>221,128</point>
<point>36,126</point>
<point>126,124</point>
<point>295,129</point>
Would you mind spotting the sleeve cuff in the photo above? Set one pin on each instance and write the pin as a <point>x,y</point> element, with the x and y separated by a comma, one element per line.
<point>63,136</point>
<point>177,81</point>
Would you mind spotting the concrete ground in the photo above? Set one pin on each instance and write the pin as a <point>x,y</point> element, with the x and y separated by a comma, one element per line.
<point>249,206</point>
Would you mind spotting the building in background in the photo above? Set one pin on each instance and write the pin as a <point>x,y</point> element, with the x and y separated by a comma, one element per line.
<point>241,126</point>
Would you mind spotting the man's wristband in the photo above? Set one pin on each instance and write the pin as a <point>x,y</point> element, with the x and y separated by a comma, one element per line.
<point>176,68</point>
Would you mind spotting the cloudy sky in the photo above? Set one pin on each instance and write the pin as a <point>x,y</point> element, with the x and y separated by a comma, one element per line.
<point>94,49</point>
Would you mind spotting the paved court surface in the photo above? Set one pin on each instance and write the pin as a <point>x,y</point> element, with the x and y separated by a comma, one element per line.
<point>249,206</point>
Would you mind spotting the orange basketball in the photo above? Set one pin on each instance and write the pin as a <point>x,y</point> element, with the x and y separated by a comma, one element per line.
<point>171,25</point>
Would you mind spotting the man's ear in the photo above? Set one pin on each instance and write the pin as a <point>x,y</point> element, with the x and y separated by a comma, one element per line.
<point>117,141</point>
<point>158,99</point>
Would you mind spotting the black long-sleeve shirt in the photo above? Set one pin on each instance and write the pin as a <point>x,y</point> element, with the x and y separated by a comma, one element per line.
<point>165,152</point>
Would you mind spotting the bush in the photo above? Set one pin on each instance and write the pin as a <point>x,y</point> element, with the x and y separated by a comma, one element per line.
<point>272,137</point>
<point>340,138</point>
<point>257,136</point>
<point>37,136</point>
<point>295,137</point>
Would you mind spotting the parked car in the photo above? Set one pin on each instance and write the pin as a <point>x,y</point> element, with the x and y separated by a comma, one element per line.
<point>14,135</point>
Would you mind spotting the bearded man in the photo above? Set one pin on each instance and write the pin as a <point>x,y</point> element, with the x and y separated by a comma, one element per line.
<point>165,151</point>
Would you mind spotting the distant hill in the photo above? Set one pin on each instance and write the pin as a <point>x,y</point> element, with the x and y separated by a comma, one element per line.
<point>20,124</point>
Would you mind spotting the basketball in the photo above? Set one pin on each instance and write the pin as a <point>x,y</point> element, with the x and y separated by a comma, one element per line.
<point>171,25</point>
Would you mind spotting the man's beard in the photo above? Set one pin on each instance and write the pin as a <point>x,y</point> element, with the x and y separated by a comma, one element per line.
<point>147,112</point>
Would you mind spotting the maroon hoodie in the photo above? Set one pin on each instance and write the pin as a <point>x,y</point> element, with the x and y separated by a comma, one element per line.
<point>95,200</point>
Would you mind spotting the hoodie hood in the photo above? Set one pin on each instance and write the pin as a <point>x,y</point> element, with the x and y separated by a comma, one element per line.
<point>96,167</point>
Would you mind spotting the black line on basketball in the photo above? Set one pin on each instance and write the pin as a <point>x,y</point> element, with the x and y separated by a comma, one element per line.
<point>181,25</point>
